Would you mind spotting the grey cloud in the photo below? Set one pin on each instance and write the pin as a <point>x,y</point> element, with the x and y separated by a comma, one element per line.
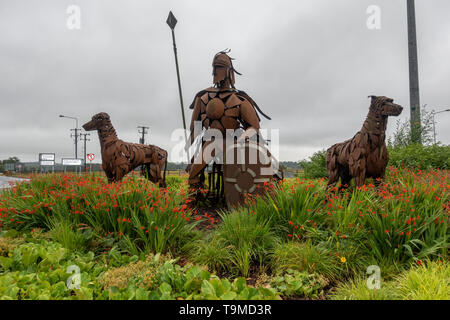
<point>309,64</point>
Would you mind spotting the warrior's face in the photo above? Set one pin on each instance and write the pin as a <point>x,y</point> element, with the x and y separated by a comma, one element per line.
<point>223,70</point>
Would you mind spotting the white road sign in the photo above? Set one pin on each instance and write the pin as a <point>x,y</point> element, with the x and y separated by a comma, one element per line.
<point>72,162</point>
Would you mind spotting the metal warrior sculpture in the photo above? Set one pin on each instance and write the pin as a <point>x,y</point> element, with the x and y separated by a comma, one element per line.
<point>119,157</point>
<point>365,155</point>
<point>226,109</point>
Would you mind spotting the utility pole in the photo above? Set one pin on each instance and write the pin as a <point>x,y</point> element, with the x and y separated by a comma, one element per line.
<point>143,132</point>
<point>83,137</point>
<point>414,96</point>
<point>75,135</point>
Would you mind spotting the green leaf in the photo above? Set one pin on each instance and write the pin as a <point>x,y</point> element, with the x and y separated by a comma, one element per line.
<point>165,288</point>
<point>141,294</point>
<point>230,295</point>
<point>208,290</point>
<point>6,262</point>
<point>240,284</point>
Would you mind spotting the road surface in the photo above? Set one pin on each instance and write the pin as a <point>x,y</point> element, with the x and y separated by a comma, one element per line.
<point>5,182</point>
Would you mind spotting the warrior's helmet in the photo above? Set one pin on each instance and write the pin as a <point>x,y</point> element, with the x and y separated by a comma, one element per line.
<point>223,69</point>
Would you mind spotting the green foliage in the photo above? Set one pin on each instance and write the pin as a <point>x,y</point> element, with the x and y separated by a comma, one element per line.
<point>402,135</point>
<point>301,235</point>
<point>145,217</point>
<point>315,167</point>
<point>248,239</point>
<point>67,235</point>
<point>295,283</point>
<point>402,221</point>
<point>357,289</point>
<point>11,160</point>
<point>305,257</point>
<point>175,182</point>
<point>419,156</point>
<point>214,252</point>
<point>40,271</point>
<point>427,282</point>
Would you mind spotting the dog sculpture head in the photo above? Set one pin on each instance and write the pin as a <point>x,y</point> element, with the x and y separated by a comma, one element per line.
<point>385,106</point>
<point>98,121</point>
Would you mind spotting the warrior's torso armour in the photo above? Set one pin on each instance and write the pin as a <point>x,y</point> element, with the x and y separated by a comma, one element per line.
<point>224,108</point>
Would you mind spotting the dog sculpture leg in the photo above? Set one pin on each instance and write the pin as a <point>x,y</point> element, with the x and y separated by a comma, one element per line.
<point>332,168</point>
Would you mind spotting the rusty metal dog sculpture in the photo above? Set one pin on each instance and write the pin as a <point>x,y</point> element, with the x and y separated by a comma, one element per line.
<point>365,155</point>
<point>119,157</point>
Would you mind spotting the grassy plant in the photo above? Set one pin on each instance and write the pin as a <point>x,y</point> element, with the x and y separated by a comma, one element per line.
<point>357,289</point>
<point>151,219</point>
<point>305,257</point>
<point>249,238</point>
<point>68,236</point>
<point>402,221</point>
<point>430,281</point>
<point>213,252</point>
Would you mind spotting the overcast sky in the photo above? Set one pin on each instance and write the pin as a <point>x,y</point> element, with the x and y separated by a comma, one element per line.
<point>309,64</point>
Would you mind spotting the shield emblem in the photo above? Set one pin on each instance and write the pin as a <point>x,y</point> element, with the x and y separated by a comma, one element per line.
<point>248,165</point>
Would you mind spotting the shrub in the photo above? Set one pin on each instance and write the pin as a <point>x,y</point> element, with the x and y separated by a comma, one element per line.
<point>419,156</point>
<point>315,167</point>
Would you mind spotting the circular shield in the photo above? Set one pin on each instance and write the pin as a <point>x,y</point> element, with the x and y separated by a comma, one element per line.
<point>215,109</point>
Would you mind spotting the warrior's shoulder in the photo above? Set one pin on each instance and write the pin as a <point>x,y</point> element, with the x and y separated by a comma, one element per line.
<point>243,95</point>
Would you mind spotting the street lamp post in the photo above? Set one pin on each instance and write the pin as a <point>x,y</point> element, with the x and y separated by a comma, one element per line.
<point>434,123</point>
<point>75,134</point>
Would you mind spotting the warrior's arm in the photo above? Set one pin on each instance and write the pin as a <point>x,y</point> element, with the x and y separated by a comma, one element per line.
<point>195,117</point>
<point>249,116</point>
